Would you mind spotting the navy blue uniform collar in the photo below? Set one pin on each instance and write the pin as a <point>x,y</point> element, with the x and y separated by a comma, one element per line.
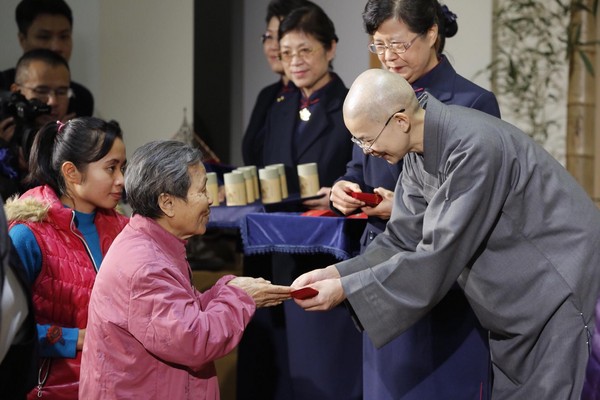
<point>439,81</point>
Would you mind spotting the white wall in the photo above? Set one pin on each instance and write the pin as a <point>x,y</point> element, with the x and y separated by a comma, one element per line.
<point>145,66</point>
<point>136,56</point>
<point>470,51</point>
<point>9,45</point>
<point>85,41</point>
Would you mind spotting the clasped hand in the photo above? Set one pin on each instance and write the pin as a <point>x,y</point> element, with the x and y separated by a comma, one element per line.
<point>347,204</point>
<point>327,282</point>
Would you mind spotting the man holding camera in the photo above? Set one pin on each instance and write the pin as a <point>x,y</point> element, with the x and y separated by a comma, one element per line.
<point>42,78</point>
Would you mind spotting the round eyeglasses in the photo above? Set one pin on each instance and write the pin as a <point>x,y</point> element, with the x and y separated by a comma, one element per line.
<point>395,47</point>
<point>366,146</point>
<point>44,92</point>
<point>303,53</point>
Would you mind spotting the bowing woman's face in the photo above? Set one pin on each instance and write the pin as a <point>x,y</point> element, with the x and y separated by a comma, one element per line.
<point>306,61</point>
<point>190,215</point>
<point>419,56</point>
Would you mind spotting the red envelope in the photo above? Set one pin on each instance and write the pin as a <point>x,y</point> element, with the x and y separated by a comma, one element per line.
<point>304,293</point>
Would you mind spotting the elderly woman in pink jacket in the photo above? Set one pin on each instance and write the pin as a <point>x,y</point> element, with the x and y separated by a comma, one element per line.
<point>151,334</point>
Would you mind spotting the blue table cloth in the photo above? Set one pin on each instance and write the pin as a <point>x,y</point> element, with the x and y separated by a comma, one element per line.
<point>292,233</point>
<point>231,216</point>
<point>224,216</point>
<point>283,345</point>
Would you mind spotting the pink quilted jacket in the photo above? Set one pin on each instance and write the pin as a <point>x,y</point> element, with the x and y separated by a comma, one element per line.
<point>151,334</point>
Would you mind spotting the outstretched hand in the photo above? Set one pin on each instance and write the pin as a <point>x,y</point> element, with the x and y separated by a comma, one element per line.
<point>263,292</point>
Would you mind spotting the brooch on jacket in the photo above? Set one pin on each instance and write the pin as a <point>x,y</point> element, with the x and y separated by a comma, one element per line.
<point>304,112</point>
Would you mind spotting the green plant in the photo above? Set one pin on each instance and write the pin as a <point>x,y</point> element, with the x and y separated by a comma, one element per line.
<point>575,45</point>
<point>533,45</point>
<point>528,68</point>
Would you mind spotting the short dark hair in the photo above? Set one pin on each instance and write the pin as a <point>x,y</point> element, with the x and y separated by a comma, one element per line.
<point>418,15</point>
<point>281,8</point>
<point>47,56</point>
<point>312,20</point>
<point>28,10</point>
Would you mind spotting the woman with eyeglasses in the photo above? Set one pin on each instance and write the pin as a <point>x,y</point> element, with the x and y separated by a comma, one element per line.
<point>258,365</point>
<point>307,126</point>
<point>252,142</point>
<point>444,355</point>
<point>323,349</point>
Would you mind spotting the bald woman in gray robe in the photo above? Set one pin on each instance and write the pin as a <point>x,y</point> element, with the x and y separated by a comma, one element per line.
<point>481,204</point>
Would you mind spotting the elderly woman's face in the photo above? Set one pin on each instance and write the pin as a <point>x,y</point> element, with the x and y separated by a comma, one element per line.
<point>417,60</point>
<point>191,216</point>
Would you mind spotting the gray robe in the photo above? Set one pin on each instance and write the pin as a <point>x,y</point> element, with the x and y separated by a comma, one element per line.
<point>488,208</point>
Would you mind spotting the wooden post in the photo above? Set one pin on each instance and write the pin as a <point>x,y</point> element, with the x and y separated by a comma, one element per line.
<point>581,99</point>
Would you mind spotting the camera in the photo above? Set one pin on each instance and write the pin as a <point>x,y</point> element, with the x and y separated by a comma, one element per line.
<point>14,104</point>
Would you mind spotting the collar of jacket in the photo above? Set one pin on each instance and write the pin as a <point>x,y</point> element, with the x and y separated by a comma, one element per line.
<point>166,241</point>
<point>35,205</point>
<point>439,82</point>
<point>435,116</point>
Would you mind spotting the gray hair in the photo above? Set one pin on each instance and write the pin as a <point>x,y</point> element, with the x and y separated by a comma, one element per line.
<point>158,167</point>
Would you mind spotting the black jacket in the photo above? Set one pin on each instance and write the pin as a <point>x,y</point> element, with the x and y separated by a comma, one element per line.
<point>326,140</point>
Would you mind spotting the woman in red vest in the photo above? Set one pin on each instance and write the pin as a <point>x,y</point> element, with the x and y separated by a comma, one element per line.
<point>61,230</point>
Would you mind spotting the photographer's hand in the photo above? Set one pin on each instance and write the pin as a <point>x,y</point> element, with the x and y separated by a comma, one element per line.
<point>23,164</point>
<point>7,129</point>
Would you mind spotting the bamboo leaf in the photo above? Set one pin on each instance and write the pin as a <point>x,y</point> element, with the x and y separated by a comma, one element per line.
<point>589,67</point>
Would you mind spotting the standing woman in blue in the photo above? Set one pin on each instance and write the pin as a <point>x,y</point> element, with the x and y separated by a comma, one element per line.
<point>307,126</point>
<point>61,231</point>
<point>324,349</point>
<point>252,142</point>
<point>445,355</point>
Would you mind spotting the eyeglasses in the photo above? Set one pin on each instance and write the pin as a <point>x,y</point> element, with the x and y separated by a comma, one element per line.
<point>304,53</point>
<point>44,92</point>
<point>366,146</point>
<point>266,37</point>
<point>395,47</point>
